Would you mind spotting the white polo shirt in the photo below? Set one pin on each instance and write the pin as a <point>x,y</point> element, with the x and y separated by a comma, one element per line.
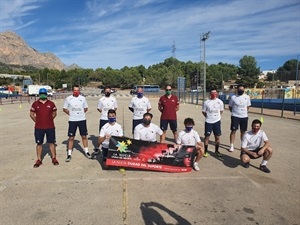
<point>239,104</point>
<point>252,141</point>
<point>76,106</point>
<point>188,138</point>
<point>213,109</point>
<point>140,107</point>
<point>147,133</point>
<point>105,104</point>
<point>112,130</point>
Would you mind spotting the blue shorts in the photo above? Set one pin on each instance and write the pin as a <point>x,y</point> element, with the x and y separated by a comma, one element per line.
<point>237,122</point>
<point>39,135</point>
<point>164,124</point>
<point>102,123</point>
<point>73,127</point>
<point>212,127</point>
<point>135,123</point>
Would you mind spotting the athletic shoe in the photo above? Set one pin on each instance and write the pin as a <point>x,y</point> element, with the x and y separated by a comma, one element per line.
<point>68,159</point>
<point>196,166</point>
<point>231,149</point>
<point>205,154</point>
<point>96,151</point>
<point>37,163</point>
<point>88,155</point>
<point>246,165</point>
<point>265,169</point>
<point>55,162</point>
<point>218,154</point>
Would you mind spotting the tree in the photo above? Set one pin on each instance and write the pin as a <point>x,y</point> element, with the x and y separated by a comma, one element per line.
<point>248,72</point>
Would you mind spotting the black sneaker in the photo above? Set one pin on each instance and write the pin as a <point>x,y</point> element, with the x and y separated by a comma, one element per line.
<point>265,169</point>
<point>88,155</point>
<point>96,151</point>
<point>246,165</point>
<point>218,154</point>
<point>68,159</point>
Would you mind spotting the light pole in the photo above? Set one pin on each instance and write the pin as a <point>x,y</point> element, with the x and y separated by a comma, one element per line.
<point>205,36</point>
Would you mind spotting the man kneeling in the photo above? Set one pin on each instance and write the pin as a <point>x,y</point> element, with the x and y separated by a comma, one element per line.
<point>252,146</point>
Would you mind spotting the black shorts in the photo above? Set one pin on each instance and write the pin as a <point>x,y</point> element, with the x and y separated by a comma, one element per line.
<point>250,156</point>
<point>101,124</point>
<point>39,135</point>
<point>164,124</point>
<point>135,123</point>
<point>212,127</point>
<point>237,122</point>
<point>73,127</point>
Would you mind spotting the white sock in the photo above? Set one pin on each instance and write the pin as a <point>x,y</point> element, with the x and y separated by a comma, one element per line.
<point>231,146</point>
<point>264,163</point>
<point>69,152</point>
<point>86,150</point>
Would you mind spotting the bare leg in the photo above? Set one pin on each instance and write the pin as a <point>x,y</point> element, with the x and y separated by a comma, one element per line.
<point>163,138</point>
<point>84,141</point>
<point>39,152</point>
<point>52,150</point>
<point>71,143</point>
<point>175,133</point>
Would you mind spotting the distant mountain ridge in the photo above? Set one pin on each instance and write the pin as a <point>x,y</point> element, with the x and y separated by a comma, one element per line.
<point>15,51</point>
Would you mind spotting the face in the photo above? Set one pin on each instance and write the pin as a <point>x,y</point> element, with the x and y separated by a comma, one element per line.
<point>255,127</point>
<point>213,94</point>
<point>111,115</point>
<point>76,91</point>
<point>107,90</point>
<point>139,90</point>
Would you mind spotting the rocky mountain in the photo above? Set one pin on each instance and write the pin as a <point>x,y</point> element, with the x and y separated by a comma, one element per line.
<point>15,51</point>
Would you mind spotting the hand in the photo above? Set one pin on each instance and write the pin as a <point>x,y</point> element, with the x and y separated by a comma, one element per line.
<point>107,136</point>
<point>255,155</point>
<point>261,152</point>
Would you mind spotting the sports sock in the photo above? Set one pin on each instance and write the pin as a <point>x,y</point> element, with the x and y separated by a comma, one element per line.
<point>231,145</point>
<point>264,163</point>
<point>217,148</point>
<point>69,152</point>
<point>86,150</point>
<point>205,148</point>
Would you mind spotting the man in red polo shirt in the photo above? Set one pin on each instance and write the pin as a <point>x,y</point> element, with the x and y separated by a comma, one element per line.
<point>168,105</point>
<point>43,112</point>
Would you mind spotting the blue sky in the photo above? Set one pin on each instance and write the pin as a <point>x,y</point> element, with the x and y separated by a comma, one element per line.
<point>117,33</point>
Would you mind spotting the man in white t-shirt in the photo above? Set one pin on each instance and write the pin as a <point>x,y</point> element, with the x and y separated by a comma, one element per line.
<point>112,128</point>
<point>139,105</point>
<point>238,105</point>
<point>104,104</point>
<point>255,144</point>
<point>191,137</point>
<point>76,106</point>
<point>212,110</point>
<point>147,131</point>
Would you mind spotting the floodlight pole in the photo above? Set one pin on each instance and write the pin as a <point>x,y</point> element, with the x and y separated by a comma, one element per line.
<point>205,36</point>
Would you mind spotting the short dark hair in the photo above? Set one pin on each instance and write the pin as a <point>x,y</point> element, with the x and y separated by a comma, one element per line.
<point>148,114</point>
<point>213,89</point>
<point>75,85</point>
<point>189,121</point>
<point>240,85</point>
<point>256,121</point>
<point>111,111</point>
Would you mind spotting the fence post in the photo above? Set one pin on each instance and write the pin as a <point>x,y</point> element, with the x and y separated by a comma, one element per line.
<point>262,103</point>
<point>282,108</point>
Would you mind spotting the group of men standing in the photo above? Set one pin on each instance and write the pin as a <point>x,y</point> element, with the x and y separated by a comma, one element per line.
<point>254,143</point>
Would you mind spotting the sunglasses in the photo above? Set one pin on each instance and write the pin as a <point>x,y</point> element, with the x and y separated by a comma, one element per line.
<point>168,89</point>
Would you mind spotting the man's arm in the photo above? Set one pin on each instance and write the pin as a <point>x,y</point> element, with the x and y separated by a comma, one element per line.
<point>54,114</point>
<point>177,107</point>
<point>262,150</point>
<point>32,116</point>
<point>66,111</point>
<point>131,109</point>
<point>204,113</point>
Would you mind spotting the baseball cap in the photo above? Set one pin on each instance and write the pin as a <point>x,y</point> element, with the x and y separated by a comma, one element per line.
<point>43,91</point>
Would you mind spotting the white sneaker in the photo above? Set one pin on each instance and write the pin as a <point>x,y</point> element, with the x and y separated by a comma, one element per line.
<point>231,149</point>
<point>196,166</point>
